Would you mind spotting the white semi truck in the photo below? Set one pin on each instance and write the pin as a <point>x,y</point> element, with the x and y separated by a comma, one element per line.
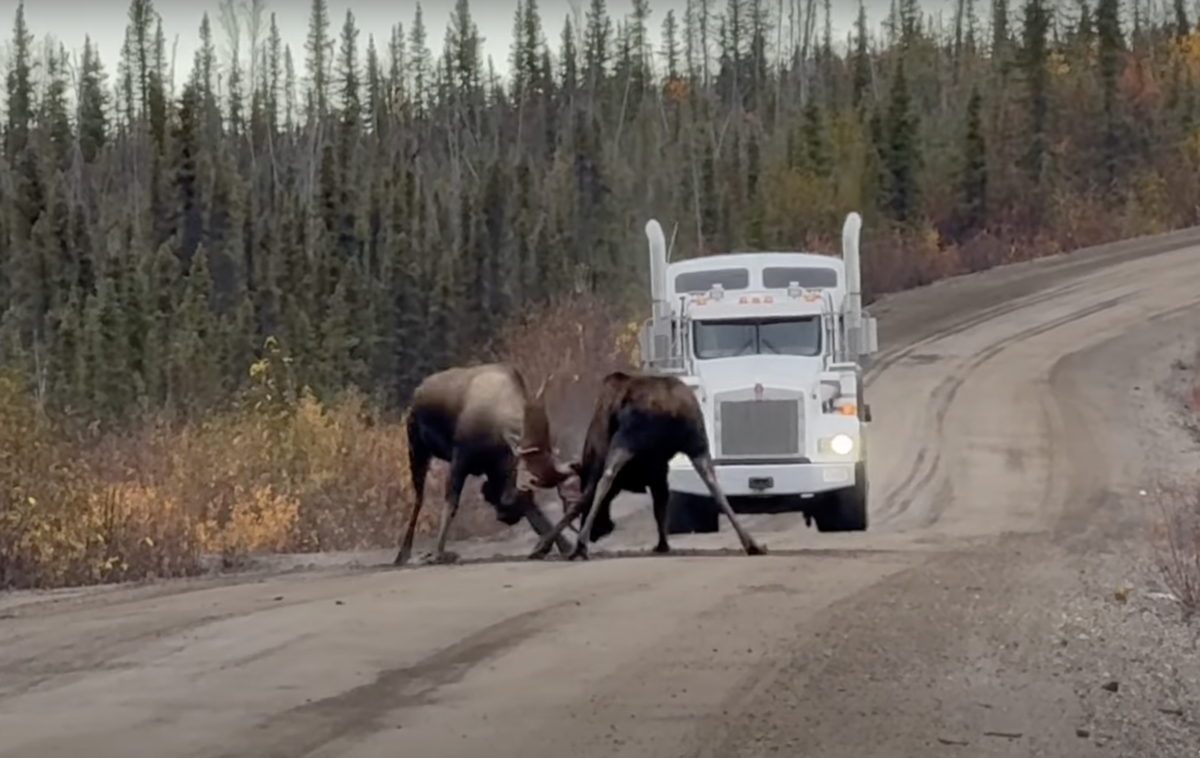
<point>773,343</point>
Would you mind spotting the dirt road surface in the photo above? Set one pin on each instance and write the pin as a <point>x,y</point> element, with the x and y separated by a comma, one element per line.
<point>1006,455</point>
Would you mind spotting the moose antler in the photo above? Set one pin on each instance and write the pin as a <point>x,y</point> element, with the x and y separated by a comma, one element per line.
<point>541,392</point>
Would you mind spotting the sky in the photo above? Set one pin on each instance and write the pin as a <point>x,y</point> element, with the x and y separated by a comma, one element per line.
<point>104,20</point>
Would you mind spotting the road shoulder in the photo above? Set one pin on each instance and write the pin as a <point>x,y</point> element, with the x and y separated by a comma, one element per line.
<point>1132,662</point>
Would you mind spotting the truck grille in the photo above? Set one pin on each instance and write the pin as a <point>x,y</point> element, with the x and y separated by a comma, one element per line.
<point>760,427</point>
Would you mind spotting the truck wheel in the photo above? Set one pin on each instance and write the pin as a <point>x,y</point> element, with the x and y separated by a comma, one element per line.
<point>846,510</point>
<point>692,514</point>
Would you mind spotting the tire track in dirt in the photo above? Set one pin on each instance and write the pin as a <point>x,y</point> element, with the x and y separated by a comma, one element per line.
<point>305,729</point>
<point>103,649</point>
<point>948,304</point>
<point>927,463</point>
<point>938,503</point>
<point>891,356</point>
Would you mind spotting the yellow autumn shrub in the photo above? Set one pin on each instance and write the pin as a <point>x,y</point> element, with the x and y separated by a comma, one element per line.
<point>285,473</point>
<point>259,520</point>
<point>629,342</point>
<point>61,524</point>
<point>292,476</point>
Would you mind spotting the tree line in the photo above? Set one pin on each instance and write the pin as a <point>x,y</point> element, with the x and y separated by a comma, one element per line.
<point>380,210</point>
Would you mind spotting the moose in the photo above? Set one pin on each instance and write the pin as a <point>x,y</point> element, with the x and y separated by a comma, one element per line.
<point>640,422</point>
<point>483,422</point>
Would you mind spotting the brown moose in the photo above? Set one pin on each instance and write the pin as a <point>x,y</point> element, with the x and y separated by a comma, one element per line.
<point>640,422</point>
<point>482,420</point>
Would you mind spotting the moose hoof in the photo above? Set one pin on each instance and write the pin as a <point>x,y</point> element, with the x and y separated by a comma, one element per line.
<point>756,549</point>
<point>580,553</point>
<point>662,548</point>
<point>440,559</point>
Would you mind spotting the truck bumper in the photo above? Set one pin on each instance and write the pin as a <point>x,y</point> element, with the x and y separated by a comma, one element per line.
<point>766,480</point>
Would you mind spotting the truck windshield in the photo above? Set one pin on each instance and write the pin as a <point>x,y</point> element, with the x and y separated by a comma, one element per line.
<point>729,339</point>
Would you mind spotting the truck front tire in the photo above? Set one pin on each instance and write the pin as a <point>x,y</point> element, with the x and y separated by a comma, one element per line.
<point>845,510</point>
<point>692,514</point>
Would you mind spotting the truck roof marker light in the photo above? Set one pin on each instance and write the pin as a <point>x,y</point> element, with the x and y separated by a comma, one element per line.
<point>718,292</point>
<point>794,289</point>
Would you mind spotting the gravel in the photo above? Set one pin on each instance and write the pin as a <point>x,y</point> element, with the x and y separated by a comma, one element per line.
<point>1132,658</point>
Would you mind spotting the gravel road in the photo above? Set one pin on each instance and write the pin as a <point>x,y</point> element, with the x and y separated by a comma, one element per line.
<point>1015,416</point>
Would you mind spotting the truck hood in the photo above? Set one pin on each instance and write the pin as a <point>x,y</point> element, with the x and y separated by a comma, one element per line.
<point>780,372</point>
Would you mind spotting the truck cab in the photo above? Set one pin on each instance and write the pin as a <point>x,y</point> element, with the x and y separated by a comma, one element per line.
<point>773,345</point>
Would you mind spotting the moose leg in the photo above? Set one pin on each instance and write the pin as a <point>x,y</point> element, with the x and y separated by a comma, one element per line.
<point>542,549</point>
<point>618,456</point>
<point>537,519</point>
<point>418,465</point>
<point>704,467</point>
<point>458,479</point>
<point>570,513</point>
<point>661,494</point>
<point>564,500</point>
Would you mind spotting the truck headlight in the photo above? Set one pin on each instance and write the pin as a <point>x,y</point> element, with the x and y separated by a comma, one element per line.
<point>841,444</point>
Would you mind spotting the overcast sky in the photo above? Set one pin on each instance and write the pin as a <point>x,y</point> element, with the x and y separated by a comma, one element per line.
<point>104,20</point>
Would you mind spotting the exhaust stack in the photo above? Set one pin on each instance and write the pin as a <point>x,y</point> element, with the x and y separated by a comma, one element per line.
<point>661,309</point>
<point>851,236</point>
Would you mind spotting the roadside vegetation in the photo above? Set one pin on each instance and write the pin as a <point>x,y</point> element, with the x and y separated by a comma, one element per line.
<point>220,282</point>
<point>1176,526</point>
<point>276,471</point>
<point>1177,536</point>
